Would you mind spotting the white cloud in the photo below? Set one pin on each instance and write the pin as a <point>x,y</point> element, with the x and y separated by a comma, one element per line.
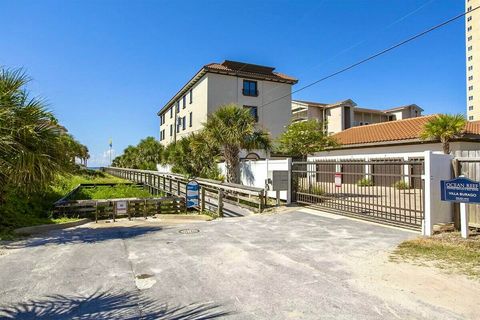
<point>101,160</point>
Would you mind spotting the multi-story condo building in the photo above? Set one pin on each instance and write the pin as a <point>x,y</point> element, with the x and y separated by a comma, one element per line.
<point>342,115</point>
<point>472,39</point>
<point>266,93</point>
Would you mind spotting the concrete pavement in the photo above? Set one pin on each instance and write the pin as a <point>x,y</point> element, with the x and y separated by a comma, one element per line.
<point>292,265</point>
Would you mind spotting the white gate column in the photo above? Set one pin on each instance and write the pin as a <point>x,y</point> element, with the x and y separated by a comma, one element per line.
<point>437,168</point>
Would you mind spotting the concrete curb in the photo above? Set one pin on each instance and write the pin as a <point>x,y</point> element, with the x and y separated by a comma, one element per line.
<point>49,227</point>
<point>200,217</point>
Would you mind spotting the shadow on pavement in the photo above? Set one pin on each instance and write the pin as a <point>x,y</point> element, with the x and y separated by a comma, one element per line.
<point>84,235</point>
<point>109,305</point>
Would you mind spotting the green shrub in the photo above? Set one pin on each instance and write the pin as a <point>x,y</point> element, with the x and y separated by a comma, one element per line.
<point>401,185</point>
<point>313,189</point>
<point>365,182</point>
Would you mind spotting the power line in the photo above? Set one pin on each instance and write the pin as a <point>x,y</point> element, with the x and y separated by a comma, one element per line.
<point>384,51</point>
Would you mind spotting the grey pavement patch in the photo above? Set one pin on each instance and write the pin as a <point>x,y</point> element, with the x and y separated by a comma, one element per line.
<point>286,266</point>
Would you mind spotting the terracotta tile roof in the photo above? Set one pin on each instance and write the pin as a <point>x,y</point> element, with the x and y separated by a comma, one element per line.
<point>400,130</point>
<point>235,68</point>
<point>249,70</point>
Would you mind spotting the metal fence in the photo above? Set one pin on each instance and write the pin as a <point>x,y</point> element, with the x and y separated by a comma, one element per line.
<point>389,190</point>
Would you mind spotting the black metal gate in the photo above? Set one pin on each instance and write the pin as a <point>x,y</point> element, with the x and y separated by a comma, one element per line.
<point>389,190</point>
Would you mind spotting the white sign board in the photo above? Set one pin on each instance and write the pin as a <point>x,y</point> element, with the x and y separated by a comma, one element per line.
<point>338,180</point>
<point>121,207</point>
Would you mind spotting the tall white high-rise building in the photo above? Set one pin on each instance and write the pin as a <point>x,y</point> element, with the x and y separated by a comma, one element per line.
<point>472,38</point>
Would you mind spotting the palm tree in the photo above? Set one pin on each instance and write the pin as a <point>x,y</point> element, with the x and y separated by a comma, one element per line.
<point>444,127</point>
<point>233,128</point>
<point>31,147</point>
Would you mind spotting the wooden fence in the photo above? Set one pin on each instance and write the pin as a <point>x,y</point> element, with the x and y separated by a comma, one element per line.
<point>106,208</point>
<point>213,194</point>
<point>467,163</point>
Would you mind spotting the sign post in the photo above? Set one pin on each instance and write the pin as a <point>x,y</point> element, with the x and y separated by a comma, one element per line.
<point>463,191</point>
<point>192,194</point>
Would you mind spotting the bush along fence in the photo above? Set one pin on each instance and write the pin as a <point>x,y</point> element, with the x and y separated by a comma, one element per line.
<point>213,194</point>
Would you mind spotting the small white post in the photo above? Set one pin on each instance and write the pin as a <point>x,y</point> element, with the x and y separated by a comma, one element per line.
<point>464,220</point>
<point>289,191</point>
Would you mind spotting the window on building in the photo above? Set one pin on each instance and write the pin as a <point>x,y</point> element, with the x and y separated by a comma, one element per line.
<point>162,119</point>
<point>469,28</point>
<point>184,122</point>
<point>470,108</point>
<point>179,123</point>
<point>470,118</point>
<point>470,38</point>
<point>470,88</point>
<point>171,130</point>
<point>253,112</point>
<point>250,88</point>
<point>469,18</point>
<point>191,96</point>
<point>470,98</point>
<point>470,58</point>
<point>178,106</point>
<point>470,68</point>
<point>190,120</point>
<point>171,112</point>
<point>184,101</point>
<point>470,48</point>
<point>163,134</point>
<point>470,78</point>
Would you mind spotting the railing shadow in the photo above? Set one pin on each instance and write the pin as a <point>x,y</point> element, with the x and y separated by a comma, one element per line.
<point>84,235</point>
<point>109,305</point>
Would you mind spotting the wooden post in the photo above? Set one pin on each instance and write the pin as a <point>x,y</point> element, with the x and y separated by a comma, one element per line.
<point>178,188</point>
<point>260,203</point>
<point>170,186</point>
<point>96,211</point>
<point>220,203</point>
<point>113,211</point>
<point>202,199</point>
<point>145,209</point>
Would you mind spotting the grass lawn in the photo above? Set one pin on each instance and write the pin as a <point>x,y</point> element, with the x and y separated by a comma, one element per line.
<point>448,251</point>
<point>107,192</point>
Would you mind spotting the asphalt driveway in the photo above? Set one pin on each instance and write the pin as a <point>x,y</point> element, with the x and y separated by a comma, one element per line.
<point>285,266</point>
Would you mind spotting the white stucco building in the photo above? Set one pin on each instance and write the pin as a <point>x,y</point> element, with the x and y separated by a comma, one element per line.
<point>265,92</point>
<point>345,114</point>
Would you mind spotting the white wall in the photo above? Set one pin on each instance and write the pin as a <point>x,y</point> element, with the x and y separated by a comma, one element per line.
<point>254,173</point>
<point>274,117</point>
<point>164,168</point>
<point>198,107</point>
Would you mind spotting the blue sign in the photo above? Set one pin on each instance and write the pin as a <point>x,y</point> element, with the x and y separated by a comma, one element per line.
<point>192,193</point>
<point>460,190</point>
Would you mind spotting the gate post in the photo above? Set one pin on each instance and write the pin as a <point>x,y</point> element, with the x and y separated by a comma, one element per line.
<point>289,188</point>
<point>437,168</point>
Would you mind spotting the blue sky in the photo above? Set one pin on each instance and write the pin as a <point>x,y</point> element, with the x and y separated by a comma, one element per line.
<point>106,67</point>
